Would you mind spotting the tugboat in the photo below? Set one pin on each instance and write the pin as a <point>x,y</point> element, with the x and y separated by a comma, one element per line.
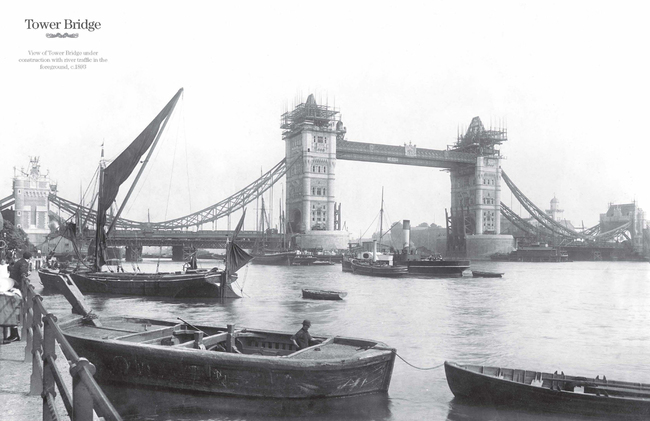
<point>373,265</point>
<point>430,265</point>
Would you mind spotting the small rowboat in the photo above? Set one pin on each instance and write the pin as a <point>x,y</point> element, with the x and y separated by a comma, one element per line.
<point>557,392</point>
<point>318,294</point>
<point>485,274</point>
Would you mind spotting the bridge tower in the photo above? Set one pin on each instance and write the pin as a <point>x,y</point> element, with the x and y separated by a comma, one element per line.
<point>31,192</point>
<point>310,133</point>
<point>476,194</point>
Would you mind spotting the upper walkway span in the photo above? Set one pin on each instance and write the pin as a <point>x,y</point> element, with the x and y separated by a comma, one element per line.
<point>405,155</point>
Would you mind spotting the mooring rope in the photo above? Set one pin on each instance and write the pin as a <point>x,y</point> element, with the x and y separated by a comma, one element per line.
<point>416,367</point>
<point>394,351</point>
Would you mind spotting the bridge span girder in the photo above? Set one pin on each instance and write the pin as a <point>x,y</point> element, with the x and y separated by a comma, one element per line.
<point>200,239</point>
<point>404,155</point>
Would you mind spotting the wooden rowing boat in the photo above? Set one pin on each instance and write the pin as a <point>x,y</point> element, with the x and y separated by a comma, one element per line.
<point>486,274</point>
<point>318,294</point>
<point>559,392</point>
<point>143,352</point>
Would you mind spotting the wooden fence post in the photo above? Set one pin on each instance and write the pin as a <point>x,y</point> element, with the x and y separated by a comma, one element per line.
<point>49,351</point>
<point>34,349</point>
<point>230,341</point>
<point>33,318</point>
<point>82,399</point>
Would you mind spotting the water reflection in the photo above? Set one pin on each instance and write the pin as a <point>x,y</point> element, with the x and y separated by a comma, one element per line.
<point>153,404</point>
<point>463,410</point>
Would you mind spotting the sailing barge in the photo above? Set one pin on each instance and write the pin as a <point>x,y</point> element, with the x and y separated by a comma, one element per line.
<point>192,282</point>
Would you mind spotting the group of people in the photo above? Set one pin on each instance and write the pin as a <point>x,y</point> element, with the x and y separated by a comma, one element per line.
<point>13,277</point>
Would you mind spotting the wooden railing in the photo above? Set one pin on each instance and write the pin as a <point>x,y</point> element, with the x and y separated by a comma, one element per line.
<point>41,334</point>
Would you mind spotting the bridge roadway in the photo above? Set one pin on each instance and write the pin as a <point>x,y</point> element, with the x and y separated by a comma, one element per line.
<point>199,239</point>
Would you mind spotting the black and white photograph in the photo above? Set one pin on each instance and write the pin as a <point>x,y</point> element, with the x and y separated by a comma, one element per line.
<point>374,211</point>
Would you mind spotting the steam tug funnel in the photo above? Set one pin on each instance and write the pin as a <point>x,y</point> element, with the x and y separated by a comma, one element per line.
<point>406,229</point>
<point>374,250</point>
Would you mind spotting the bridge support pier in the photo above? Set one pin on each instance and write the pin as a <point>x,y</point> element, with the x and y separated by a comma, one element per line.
<point>133,253</point>
<point>481,247</point>
<point>177,253</point>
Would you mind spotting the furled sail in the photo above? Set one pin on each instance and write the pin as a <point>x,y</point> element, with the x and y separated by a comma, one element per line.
<point>121,168</point>
<point>236,257</point>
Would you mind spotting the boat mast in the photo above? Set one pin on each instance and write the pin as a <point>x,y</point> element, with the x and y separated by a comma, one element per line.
<point>144,164</point>
<point>381,216</point>
<point>98,230</point>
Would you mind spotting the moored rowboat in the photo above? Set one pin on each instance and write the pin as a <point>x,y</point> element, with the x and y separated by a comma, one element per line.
<point>318,294</point>
<point>558,392</point>
<point>486,274</point>
<point>222,360</point>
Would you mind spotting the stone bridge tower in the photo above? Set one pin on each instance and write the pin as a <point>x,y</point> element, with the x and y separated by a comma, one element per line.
<point>31,192</point>
<point>476,194</point>
<point>310,132</point>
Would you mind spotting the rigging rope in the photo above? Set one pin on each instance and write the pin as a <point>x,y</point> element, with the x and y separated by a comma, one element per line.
<point>187,161</point>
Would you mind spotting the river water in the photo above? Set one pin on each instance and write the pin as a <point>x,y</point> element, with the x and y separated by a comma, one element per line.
<point>583,318</point>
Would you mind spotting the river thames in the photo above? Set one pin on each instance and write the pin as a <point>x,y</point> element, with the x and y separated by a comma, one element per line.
<point>583,318</point>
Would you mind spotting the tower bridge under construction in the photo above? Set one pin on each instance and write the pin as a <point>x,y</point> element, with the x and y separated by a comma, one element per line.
<point>315,139</point>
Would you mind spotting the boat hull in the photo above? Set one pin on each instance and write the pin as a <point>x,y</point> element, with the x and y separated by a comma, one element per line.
<point>234,374</point>
<point>317,294</point>
<point>555,393</point>
<point>378,270</point>
<point>274,259</point>
<point>200,284</point>
<point>304,260</point>
<point>437,267</point>
<point>482,274</point>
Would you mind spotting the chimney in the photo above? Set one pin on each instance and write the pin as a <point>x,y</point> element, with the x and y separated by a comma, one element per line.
<point>406,229</point>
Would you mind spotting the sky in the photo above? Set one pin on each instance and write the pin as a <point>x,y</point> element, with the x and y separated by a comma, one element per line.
<point>569,80</point>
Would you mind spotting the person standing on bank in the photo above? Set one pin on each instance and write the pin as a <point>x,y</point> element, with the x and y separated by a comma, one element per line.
<point>302,339</point>
<point>19,272</point>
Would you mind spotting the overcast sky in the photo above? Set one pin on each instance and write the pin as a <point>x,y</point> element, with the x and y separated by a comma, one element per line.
<point>568,79</point>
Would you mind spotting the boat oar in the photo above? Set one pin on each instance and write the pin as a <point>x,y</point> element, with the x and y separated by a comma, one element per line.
<point>190,325</point>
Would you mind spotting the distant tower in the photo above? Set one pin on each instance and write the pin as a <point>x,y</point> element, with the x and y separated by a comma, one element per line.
<point>310,133</point>
<point>31,192</point>
<point>555,212</point>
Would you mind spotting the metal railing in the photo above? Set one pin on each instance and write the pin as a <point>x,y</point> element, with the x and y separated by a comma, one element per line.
<point>41,334</point>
